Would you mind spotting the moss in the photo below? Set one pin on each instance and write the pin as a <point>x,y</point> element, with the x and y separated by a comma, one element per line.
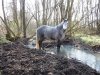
<point>89,39</point>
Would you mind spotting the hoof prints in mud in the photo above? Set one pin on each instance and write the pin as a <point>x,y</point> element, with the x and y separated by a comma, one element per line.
<point>17,60</point>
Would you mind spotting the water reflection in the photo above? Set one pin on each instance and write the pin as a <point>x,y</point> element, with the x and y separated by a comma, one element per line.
<point>91,59</point>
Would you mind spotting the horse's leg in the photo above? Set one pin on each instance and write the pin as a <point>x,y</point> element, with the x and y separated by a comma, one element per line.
<point>58,45</point>
<point>43,46</point>
<point>37,44</point>
<point>40,45</point>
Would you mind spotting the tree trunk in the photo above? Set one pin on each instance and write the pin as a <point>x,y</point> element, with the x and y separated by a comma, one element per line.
<point>15,19</point>
<point>44,12</point>
<point>70,17</point>
<point>98,21</point>
<point>22,17</point>
<point>8,35</point>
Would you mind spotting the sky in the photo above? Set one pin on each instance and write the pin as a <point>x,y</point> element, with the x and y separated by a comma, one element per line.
<point>7,4</point>
<point>30,4</point>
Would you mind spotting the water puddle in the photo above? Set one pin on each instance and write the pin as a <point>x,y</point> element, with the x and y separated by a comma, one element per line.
<point>86,57</point>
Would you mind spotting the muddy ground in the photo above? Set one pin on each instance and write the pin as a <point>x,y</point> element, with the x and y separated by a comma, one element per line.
<point>15,59</point>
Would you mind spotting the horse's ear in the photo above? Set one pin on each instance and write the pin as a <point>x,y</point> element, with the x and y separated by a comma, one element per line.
<point>62,19</point>
<point>65,20</point>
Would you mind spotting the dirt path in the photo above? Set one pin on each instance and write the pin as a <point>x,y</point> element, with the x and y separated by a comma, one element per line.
<point>18,60</point>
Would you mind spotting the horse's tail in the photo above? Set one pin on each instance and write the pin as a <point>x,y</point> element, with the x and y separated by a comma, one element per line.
<point>37,42</point>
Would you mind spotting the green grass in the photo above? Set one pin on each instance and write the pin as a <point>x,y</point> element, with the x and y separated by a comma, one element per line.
<point>3,40</point>
<point>88,39</point>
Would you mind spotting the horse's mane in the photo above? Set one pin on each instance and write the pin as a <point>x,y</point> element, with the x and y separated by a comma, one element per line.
<point>60,26</point>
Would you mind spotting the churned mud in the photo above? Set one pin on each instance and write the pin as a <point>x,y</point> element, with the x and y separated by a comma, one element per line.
<point>15,59</point>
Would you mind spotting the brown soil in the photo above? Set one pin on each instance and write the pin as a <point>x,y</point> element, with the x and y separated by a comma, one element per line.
<point>18,60</point>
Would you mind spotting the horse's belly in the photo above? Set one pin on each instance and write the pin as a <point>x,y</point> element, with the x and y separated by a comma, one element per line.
<point>51,35</point>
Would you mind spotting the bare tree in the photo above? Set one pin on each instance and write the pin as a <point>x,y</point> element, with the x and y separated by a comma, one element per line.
<point>22,17</point>
<point>44,12</point>
<point>98,18</point>
<point>37,13</point>
<point>15,18</point>
<point>69,8</point>
<point>62,9</point>
<point>10,33</point>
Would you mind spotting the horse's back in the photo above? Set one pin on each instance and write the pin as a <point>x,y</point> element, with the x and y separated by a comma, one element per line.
<point>42,29</point>
<point>46,32</point>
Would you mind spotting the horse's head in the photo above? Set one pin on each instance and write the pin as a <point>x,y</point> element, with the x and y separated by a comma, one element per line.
<point>65,24</point>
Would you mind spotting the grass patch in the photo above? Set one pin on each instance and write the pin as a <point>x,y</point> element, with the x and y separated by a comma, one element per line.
<point>88,39</point>
<point>3,40</point>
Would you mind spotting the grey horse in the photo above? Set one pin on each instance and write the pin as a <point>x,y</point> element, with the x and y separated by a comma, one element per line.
<point>46,32</point>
